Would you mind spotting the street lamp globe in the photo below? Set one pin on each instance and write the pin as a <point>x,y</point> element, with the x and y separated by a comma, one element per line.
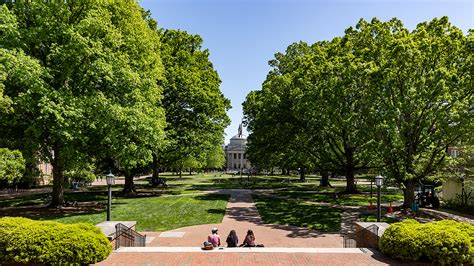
<point>379,181</point>
<point>110,179</point>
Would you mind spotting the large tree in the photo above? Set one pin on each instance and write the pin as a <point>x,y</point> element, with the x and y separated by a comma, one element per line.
<point>96,66</point>
<point>378,90</point>
<point>423,94</point>
<point>194,105</point>
<point>311,111</point>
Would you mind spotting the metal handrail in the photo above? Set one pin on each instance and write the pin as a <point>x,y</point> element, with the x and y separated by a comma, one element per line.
<point>127,237</point>
<point>363,238</point>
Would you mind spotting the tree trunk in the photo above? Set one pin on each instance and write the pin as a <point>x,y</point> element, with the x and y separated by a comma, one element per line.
<point>324,179</point>
<point>57,198</point>
<point>283,171</point>
<point>302,175</point>
<point>350,181</point>
<point>349,171</point>
<point>156,170</point>
<point>129,185</point>
<point>156,167</point>
<point>190,171</point>
<point>180,173</point>
<point>409,193</point>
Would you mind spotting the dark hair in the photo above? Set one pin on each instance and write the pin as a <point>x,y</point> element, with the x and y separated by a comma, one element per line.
<point>232,233</point>
<point>249,232</point>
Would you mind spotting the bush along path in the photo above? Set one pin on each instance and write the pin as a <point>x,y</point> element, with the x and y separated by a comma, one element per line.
<point>444,242</point>
<point>27,241</point>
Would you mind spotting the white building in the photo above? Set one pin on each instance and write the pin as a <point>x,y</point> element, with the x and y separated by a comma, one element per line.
<point>235,153</point>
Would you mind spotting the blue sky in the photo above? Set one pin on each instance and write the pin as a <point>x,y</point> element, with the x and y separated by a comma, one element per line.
<point>243,35</point>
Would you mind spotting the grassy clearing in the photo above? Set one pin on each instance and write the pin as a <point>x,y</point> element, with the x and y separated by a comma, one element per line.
<point>157,208</point>
<point>156,213</point>
<point>341,199</point>
<point>225,181</point>
<point>284,212</point>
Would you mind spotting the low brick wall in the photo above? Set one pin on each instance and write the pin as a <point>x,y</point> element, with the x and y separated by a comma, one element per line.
<point>365,238</point>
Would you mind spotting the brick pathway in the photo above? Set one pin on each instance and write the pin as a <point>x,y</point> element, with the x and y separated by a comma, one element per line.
<point>241,215</point>
<point>260,259</point>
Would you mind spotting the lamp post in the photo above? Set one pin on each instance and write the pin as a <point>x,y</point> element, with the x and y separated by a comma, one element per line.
<point>378,183</point>
<point>110,178</point>
<point>241,156</point>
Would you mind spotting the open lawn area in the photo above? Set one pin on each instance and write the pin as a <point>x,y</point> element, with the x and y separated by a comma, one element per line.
<point>179,204</point>
<point>342,199</point>
<point>151,213</point>
<point>228,181</point>
<point>284,212</point>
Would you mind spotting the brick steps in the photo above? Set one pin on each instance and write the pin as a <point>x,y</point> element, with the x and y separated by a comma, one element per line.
<point>246,250</point>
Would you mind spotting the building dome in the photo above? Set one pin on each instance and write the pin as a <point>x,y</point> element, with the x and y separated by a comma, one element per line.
<point>236,137</point>
<point>238,140</point>
<point>235,152</point>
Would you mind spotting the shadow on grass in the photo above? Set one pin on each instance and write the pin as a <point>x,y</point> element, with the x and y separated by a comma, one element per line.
<point>30,200</point>
<point>212,197</point>
<point>216,211</point>
<point>369,217</point>
<point>48,213</point>
<point>283,212</point>
<point>339,198</point>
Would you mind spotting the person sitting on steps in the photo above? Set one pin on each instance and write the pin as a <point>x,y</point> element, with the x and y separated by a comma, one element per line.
<point>232,239</point>
<point>214,238</point>
<point>249,240</point>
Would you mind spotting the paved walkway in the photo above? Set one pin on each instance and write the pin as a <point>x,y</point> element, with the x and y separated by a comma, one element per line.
<point>260,259</point>
<point>284,245</point>
<point>242,215</point>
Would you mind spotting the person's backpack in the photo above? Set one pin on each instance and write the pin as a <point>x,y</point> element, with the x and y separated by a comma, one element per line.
<point>208,246</point>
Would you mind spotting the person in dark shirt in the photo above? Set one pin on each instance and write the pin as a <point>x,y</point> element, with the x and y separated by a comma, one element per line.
<point>232,239</point>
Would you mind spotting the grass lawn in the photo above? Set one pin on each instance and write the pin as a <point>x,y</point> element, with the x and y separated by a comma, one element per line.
<point>158,209</point>
<point>278,211</point>
<point>373,218</point>
<point>227,181</point>
<point>342,199</point>
<point>151,213</point>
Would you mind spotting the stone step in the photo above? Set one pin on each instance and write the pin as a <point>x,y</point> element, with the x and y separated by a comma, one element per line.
<point>246,250</point>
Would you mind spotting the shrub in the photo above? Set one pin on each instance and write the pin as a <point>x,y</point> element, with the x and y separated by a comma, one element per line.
<point>28,241</point>
<point>443,242</point>
<point>12,165</point>
<point>82,175</point>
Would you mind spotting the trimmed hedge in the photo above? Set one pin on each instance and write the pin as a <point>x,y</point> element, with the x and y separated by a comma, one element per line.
<point>24,240</point>
<point>443,242</point>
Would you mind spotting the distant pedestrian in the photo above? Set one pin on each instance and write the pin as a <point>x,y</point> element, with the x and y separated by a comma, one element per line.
<point>232,239</point>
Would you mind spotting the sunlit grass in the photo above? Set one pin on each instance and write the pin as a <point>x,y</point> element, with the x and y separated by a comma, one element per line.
<point>157,213</point>
<point>342,199</point>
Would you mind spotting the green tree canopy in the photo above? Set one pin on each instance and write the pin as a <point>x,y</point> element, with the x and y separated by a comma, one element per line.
<point>380,96</point>
<point>194,105</point>
<point>89,86</point>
